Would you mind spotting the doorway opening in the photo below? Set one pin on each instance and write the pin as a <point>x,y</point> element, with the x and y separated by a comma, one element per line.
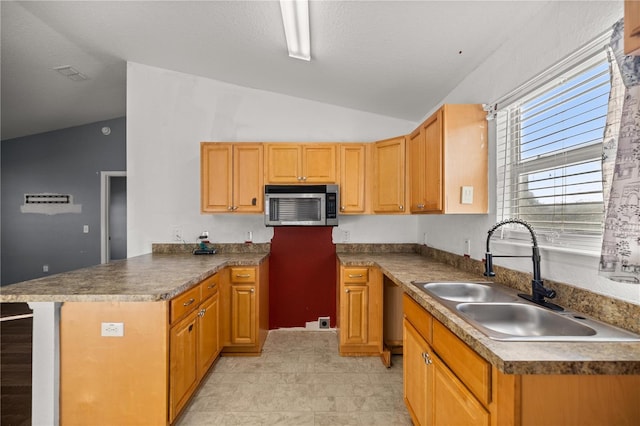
<point>113,216</point>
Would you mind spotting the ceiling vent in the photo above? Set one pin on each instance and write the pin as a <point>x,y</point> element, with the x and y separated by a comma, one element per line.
<point>71,73</point>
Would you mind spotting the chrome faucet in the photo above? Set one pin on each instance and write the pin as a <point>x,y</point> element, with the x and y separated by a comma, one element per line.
<point>538,291</point>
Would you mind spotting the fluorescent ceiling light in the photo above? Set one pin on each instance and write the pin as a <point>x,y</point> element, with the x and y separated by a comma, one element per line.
<point>295,17</point>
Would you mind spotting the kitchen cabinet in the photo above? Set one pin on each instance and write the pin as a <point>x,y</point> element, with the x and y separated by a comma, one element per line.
<point>389,179</point>
<point>360,309</point>
<point>433,392</point>
<point>448,152</point>
<point>446,382</point>
<point>247,301</point>
<point>194,341</point>
<point>232,177</point>
<point>632,27</point>
<point>301,163</point>
<point>353,163</point>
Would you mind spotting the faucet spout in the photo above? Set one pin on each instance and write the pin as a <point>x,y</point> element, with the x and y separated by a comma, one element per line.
<point>538,292</point>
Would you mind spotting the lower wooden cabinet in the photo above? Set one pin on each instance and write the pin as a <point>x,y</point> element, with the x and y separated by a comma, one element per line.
<point>194,342</point>
<point>360,310</point>
<point>245,300</point>
<point>447,383</point>
<point>183,361</point>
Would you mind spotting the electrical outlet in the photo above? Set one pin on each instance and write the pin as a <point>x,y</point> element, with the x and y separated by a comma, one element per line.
<point>45,268</point>
<point>424,239</point>
<point>467,247</point>
<point>112,329</point>
<point>324,322</point>
<point>346,236</point>
<point>85,229</point>
<point>177,234</point>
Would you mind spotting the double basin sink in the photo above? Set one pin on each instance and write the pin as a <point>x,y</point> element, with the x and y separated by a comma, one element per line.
<point>500,314</point>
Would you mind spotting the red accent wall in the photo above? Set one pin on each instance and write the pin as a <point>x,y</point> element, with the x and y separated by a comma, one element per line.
<point>302,276</point>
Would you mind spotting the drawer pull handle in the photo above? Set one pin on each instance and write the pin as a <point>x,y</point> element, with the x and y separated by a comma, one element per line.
<point>243,275</point>
<point>188,302</point>
<point>356,275</point>
<point>421,206</point>
<point>211,286</point>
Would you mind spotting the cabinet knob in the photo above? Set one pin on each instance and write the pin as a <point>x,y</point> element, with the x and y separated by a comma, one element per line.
<point>230,208</point>
<point>188,302</point>
<point>342,208</point>
<point>234,208</point>
<point>346,291</point>
<point>304,178</point>
<point>401,207</point>
<point>253,290</point>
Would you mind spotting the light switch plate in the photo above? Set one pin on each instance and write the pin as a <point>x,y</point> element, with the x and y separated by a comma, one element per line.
<point>467,195</point>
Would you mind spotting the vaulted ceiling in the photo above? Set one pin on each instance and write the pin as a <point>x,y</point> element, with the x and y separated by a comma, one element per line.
<point>394,58</point>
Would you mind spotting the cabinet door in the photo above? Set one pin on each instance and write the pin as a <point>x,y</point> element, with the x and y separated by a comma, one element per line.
<point>418,376</point>
<point>183,376</point>
<point>352,178</point>
<point>248,178</point>
<point>216,189</point>
<point>632,27</point>
<point>453,403</point>
<point>433,164</point>
<point>319,163</point>
<point>355,314</point>
<point>284,163</point>
<point>243,314</point>
<point>417,169</point>
<point>208,333</point>
<point>389,176</point>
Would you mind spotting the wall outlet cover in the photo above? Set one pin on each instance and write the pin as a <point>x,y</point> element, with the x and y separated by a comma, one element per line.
<point>324,322</point>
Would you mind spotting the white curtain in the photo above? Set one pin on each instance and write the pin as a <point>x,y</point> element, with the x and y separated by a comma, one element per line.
<point>620,255</point>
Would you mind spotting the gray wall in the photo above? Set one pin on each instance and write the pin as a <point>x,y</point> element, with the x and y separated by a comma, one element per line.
<point>67,161</point>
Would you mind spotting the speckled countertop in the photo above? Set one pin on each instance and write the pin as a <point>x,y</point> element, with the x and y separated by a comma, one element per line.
<point>508,357</point>
<point>146,278</point>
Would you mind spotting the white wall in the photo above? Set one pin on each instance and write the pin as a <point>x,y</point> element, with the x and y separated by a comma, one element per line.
<point>558,30</point>
<point>170,113</point>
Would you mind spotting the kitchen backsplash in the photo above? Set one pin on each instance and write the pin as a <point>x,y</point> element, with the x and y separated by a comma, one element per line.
<point>181,248</point>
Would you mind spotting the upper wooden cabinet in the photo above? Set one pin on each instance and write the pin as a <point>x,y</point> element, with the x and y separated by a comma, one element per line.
<point>353,163</point>
<point>632,27</point>
<point>231,177</point>
<point>301,163</point>
<point>448,156</point>
<point>389,177</point>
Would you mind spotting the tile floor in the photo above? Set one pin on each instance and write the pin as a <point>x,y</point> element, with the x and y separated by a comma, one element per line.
<point>300,380</point>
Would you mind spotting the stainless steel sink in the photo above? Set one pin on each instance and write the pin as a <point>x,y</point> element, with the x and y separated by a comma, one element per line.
<point>465,292</point>
<point>500,314</point>
<point>519,319</point>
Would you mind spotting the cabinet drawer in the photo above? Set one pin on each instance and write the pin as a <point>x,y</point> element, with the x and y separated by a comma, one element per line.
<point>355,275</point>
<point>209,286</point>
<point>185,303</point>
<point>418,317</point>
<point>243,275</point>
<point>470,367</point>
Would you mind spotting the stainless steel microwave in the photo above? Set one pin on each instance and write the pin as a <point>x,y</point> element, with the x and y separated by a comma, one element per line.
<point>301,205</point>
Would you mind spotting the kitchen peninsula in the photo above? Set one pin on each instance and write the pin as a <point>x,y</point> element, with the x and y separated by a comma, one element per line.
<point>151,281</point>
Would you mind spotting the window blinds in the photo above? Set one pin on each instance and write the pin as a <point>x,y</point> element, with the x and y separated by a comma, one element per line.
<point>549,151</point>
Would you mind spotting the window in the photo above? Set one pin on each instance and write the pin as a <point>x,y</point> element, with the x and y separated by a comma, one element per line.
<point>549,155</point>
